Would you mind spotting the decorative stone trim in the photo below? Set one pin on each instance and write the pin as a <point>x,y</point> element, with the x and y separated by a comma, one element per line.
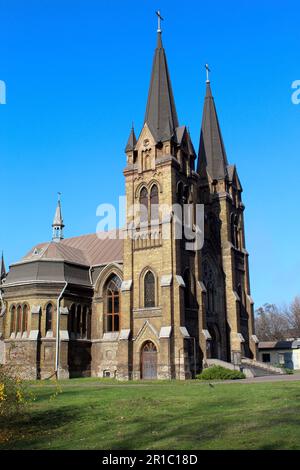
<point>237,297</point>
<point>166,281</point>
<point>165,332</point>
<point>64,335</point>
<point>255,339</point>
<point>145,325</point>
<point>33,335</point>
<point>202,286</point>
<point>147,312</point>
<point>49,334</point>
<point>36,309</point>
<point>206,335</point>
<point>240,337</point>
<point>113,336</point>
<point>64,311</point>
<point>250,299</point>
<point>180,281</point>
<point>126,285</point>
<point>124,335</point>
<point>184,332</point>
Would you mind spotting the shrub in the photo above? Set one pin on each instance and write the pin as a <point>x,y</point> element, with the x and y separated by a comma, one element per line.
<point>14,395</point>
<point>220,373</point>
<point>288,371</point>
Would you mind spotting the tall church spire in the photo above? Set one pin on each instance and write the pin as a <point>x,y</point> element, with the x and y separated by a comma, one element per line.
<point>212,154</point>
<point>2,270</point>
<point>161,115</point>
<point>58,223</point>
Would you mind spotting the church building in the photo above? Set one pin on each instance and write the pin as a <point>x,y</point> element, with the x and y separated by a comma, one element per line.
<point>141,305</point>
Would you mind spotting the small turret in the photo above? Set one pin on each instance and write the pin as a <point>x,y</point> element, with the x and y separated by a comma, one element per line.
<point>3,270</point>
<point>58,223</point>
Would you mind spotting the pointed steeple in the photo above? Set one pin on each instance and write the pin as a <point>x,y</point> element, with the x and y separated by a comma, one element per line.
<point>58,223</point>
<point>2,270</point>
<point>161,115</point>
<point>131,141</point>
<point>212,154</point>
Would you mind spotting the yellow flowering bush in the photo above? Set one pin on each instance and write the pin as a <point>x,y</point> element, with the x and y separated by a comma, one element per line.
<point>14,395</point>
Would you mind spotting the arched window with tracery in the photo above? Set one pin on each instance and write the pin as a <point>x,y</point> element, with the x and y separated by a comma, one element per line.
<point>187,290</point>
<point>25,318</point>
<point>144,206</point>
<point>154,201</point>
<point>180,193</point>
<point>19,319</point>
<point>72,319</point>
<point>13,319</point>
<point>112,321</point>
<point>149,290</point>
<point>84,322</point>
<point>49,317</point>
<point>235,228</point>
<point>78,320</point>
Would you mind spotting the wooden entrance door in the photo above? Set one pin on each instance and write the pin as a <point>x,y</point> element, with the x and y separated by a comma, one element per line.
<point>149,361</point>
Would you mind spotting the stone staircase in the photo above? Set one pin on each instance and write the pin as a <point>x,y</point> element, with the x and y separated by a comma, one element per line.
<point>250,367</point>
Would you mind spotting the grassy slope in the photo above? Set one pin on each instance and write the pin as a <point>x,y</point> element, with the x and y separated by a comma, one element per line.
<point>88,415</point>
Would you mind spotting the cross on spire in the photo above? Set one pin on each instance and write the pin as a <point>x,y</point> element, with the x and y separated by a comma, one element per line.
<point>207,73</point>
<point>160,19</point>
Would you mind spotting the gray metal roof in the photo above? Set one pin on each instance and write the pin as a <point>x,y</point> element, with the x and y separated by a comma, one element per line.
<point>212,154</point>
<point>89,250</point>
<point>68,260</point>
<point>284,344</point>
<point>161,114</point>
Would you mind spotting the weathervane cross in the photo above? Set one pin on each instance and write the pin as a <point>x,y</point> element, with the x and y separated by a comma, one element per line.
<point>59,196</point>
<point>160,19</point>
<point>207,72</point>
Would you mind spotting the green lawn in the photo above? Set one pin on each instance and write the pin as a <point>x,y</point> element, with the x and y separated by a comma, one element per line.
<point>90,414</point>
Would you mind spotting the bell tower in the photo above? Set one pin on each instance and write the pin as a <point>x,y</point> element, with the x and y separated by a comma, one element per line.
<point>159,291</point>
<point>221,191</point>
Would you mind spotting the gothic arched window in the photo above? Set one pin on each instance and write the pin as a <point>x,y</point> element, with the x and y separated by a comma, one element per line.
<point>13,319</point>
<point>180,193</point>
<point>49,317</point>
<point>84,322</point>
<point>112,322</point>
<point>25,318</point>
<point>149,290</point>
<point>144,206</point>
<point>187,290</point>
<point>78,320</point>
<point>235,228</point>
<point>19,319</point>
<point>72,319</point>
<point>154,204</point>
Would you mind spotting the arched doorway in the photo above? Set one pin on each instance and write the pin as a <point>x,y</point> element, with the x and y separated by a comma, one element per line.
<point>215,343</point>
<point>149,361</point>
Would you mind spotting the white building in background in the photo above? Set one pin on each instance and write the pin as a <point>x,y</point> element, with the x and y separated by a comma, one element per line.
<point>283,353</point>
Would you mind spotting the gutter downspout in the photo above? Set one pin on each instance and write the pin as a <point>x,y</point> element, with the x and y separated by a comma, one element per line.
<point>58,332</point>
<point>1,300</point>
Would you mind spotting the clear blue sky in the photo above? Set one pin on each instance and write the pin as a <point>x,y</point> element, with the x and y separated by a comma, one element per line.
<point>77,74</point>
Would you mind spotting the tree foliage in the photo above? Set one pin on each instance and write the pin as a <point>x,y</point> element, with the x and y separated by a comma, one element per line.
<point>274,323</point>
